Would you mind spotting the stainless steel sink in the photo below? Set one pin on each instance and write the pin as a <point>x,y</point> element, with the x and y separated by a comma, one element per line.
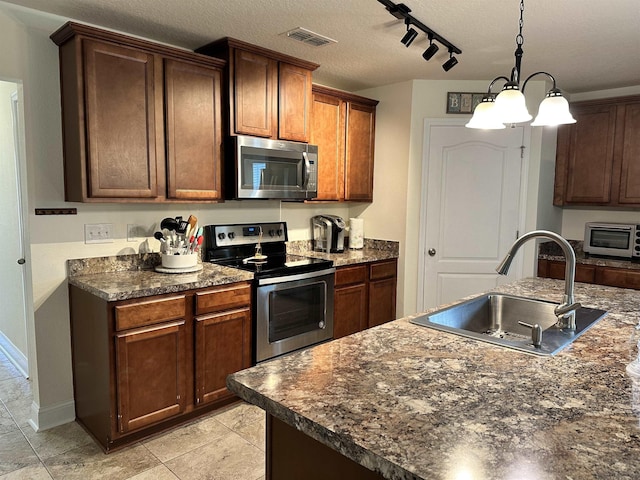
<point>497,318</point>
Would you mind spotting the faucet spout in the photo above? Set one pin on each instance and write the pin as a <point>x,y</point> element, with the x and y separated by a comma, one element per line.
<point>566,311</point>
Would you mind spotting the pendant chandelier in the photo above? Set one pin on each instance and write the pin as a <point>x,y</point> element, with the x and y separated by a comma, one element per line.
<point>509,107</point>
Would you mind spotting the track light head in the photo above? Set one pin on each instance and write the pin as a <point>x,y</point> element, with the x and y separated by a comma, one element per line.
<point>410,36</point>
<point>449,64</point>
<point>431,50</point>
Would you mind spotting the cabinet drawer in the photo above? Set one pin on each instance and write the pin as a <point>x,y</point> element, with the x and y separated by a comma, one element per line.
<point>149,312</point>
<point>223,298</point>
<point>382,270</point>
<point>618,277</point>
<point>351,275</point>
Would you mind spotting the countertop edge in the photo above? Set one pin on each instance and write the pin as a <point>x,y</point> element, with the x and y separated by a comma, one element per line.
<point>329,438</point>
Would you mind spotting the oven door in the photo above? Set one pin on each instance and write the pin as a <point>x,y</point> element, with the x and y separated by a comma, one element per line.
<point>293,312</point>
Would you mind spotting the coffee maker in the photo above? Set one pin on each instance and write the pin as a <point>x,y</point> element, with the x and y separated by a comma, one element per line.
<point>328,233</point>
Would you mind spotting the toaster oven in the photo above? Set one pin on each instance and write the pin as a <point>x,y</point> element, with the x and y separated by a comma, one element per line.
<point>612,239</point>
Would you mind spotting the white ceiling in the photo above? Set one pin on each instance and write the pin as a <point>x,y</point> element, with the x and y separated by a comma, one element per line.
<point>586,44</point>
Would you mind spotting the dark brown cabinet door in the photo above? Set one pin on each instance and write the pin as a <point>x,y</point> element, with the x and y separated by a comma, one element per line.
<point>349,310</point>
<point>360,136</point>
<point>630,156</point>
<point>256,94</point>
<point>150,375</point>
<point>294,102</point>
<point>223,346</point>
<point>382,301</point>
<point>587,161</point>
<point>193,131</point>
<point>120,121</point>
<point>328,133</point>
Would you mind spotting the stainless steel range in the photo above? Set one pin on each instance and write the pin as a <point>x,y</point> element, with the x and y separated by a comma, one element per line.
<point>293,295</point>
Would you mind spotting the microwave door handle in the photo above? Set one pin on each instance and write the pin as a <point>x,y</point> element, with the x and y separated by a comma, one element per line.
<point>305,170</point>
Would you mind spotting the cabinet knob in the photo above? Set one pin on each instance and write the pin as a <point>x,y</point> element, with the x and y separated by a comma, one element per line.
<point>431,252</point>
<point>21,261</point>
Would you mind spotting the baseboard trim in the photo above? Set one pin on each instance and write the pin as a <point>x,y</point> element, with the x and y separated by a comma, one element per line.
<point>52,416</point>
<point>15,356</point>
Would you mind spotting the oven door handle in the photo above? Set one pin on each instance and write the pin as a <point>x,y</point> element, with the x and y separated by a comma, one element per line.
<point>293,278</point>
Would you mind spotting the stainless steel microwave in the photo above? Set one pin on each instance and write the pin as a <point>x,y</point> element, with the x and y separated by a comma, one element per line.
<point>261,168</point>
<point>612,239</point>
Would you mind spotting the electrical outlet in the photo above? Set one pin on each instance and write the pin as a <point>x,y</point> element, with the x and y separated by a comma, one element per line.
<point>98,233</point>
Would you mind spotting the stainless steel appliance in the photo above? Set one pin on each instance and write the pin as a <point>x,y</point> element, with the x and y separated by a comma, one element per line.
<point>328,233</point>
<point>612,239</point>
<point>293,295</point>
<point>262,168</point>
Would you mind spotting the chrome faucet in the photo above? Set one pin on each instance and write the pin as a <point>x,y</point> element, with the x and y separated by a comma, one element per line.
<point>566,311</point>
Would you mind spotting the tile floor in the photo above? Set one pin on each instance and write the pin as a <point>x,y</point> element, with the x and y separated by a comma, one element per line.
<point>226,444</point>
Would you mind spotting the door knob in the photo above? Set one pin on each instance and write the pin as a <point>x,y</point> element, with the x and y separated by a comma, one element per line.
<point>21,261</point>
<point>431,252</point>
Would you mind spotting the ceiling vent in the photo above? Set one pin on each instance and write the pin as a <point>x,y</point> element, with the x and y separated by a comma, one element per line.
<point>309,37</point>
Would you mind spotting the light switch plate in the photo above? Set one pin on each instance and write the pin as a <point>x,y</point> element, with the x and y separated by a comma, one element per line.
<point>98,233</point>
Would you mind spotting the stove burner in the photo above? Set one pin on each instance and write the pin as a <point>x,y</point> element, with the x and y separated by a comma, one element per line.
<point>235,246</point>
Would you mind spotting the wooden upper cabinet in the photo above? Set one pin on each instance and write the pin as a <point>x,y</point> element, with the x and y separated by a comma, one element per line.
<point>328,133</point>
<point>294,98</point>
<point>629,192</point>
<point>359,152</point>
<point>255,99</point>
<point>120,113</point>
<point>343,127</point>
<point>193,131</point>
<point>115,93</point>
<point>598,157</point>
<point>269,93</point>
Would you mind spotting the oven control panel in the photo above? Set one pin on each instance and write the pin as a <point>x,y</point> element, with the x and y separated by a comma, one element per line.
<point>249,233</point>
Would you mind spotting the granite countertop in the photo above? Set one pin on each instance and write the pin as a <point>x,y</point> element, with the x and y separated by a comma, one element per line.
<point>373,251</point>
<point>414,403</point>
<point>123,277</point>
<point>552,251</point>
<point>123,285</point>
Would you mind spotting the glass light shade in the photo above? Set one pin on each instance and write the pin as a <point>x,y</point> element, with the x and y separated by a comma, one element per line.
<point>554,110</point>
<point>511,107</point>
<point>484,117</point>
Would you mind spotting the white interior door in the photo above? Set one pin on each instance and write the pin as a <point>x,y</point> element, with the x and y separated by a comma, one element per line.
<point>472,211</point>
<point>13,314</point>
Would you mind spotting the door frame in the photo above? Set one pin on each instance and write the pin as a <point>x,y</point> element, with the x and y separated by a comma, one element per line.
<point>422,241</point>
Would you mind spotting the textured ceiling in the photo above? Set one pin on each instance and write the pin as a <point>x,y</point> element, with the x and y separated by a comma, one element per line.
<point>586,44</point>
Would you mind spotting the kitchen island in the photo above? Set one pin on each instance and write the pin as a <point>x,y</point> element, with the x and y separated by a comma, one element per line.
<point>401,401</point>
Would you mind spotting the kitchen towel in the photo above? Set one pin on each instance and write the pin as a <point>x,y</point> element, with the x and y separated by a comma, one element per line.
<point>356,233</point>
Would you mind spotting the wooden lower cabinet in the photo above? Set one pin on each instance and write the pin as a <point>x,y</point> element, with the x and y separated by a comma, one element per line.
<point>143,365</point>
<point>292,455</point>
<point>350,301</point>
<point>600,275</point>
<point>382,292</point>
<point>364,296</point>
<point>150,375</point>
<point>223,345</point>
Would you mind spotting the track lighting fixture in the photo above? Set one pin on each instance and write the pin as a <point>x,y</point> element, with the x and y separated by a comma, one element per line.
<point>431,50</point>
<point>402,12</point>
<point>449,64</point>
<point>509,107</point>
<point>410,36</point>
